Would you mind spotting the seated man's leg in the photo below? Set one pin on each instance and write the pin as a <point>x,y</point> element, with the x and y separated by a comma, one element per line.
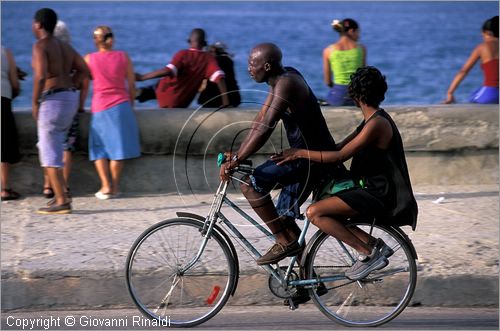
<point>146,93</point>
<point>288,207</point>
<point>258,195</point>
<point>263,206</point>
<point>265,178</point>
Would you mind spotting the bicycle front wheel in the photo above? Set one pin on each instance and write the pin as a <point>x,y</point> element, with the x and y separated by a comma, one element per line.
<point>163,290</point>
<point>371,301</point>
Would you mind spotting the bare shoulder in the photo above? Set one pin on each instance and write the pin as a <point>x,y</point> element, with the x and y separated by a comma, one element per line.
<point>381,126</point>
<point>490,49</point>
<point>290,83</point>
<point>39,45</point>
<point>328,49</point>
<point>480,49</point>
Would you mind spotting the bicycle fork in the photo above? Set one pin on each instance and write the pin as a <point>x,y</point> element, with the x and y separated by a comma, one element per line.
<point>206,231</point>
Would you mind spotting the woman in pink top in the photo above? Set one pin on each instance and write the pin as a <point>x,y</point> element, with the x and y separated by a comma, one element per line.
<point>487,52</point>
<point>113,134</point>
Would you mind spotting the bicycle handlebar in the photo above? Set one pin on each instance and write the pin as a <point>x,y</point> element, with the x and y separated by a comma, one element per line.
<point>221,158</point>
<point>244,167</point>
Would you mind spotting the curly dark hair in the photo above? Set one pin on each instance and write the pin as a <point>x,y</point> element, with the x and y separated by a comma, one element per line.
<point>368,86</point>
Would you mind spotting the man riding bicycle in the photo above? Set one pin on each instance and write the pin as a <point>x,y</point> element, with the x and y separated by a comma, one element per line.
<point>291,100</point>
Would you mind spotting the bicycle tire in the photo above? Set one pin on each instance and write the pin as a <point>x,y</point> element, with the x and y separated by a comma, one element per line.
<point>157,287</point>
<point>372,301</point>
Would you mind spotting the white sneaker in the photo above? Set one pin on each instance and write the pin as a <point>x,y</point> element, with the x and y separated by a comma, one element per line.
<point>366,264</point>
<point>102,196</point>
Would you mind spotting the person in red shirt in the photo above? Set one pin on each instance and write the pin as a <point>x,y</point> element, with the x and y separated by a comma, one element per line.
<point>487,53</point>
<point>183,76</point>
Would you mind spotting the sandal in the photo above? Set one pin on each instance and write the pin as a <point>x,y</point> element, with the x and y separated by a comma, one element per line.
<point>48,192</point>
<point>10,195</point>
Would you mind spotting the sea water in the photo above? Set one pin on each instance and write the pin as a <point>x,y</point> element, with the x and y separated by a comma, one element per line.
<point>419,46</point>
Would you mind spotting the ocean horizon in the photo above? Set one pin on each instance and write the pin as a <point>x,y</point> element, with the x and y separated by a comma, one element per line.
<point>419,46</point>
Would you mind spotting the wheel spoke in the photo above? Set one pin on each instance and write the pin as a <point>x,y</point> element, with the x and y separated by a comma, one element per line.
<point>166,298</point>
<point>350,302</point>
<point>157,284</point>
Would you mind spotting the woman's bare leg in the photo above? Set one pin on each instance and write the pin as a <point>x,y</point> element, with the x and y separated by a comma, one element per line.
<point>328,215</point>
<point>116,168</point>
<point>102,167</point>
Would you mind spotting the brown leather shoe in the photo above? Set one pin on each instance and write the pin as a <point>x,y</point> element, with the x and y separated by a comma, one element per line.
<point>65,208</point>
<point>67,195</point>
<point>278,252</point>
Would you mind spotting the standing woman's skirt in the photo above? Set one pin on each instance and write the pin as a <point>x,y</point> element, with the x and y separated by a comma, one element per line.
<point>114,134</point>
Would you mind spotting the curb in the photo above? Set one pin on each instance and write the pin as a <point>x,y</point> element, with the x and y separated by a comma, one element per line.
<point>88,289</point>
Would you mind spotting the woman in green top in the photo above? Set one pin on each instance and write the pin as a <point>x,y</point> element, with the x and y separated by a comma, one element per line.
<point>341,60</point>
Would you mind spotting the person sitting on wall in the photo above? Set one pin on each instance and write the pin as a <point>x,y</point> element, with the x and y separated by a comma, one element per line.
<point>183,76</point>
<point>487,52</point>
<point>209,93</point>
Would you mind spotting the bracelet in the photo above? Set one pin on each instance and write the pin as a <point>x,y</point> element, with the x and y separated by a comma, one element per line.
<point>233,160</point>
<point>321,155</point>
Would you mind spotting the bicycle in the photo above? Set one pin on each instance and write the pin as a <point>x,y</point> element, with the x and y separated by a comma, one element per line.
<point>185,269</point>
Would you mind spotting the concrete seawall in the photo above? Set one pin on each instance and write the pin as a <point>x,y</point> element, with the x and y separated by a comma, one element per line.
<point>445,145</point>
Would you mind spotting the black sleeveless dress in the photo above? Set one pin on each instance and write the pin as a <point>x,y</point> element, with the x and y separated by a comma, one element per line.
<point>387,192</point>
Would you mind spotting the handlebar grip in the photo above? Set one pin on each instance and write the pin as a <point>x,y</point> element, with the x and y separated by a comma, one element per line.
<point>221,158</point>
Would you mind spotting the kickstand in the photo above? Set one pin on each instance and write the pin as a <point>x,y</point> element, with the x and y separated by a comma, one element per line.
<point>291,305</point>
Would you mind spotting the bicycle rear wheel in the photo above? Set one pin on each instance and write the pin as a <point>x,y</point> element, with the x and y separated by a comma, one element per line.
<point>372,301</point>
<point>159,287</point>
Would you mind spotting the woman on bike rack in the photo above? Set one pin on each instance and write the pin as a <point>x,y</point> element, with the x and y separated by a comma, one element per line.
<point>378,165</point>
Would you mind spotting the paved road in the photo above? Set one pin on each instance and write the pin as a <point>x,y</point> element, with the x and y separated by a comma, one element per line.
<point>260,318</point>
<point>77,260</point>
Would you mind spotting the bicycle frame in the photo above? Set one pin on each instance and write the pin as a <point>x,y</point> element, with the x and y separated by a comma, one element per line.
<point>276,272</point>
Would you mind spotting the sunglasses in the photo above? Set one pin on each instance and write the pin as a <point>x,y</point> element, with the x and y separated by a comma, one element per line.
<point>107,36</point>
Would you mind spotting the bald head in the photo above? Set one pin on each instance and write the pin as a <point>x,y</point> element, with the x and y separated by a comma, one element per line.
<point>197,38</point>
<point>268,52</point>
<point>264,62</point>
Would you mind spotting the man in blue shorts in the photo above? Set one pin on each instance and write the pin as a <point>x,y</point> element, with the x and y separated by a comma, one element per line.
<point>57,69</point>
<point>291,100</point>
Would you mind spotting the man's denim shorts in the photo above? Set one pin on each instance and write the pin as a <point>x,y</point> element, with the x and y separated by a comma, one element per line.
<point>294,178</point>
